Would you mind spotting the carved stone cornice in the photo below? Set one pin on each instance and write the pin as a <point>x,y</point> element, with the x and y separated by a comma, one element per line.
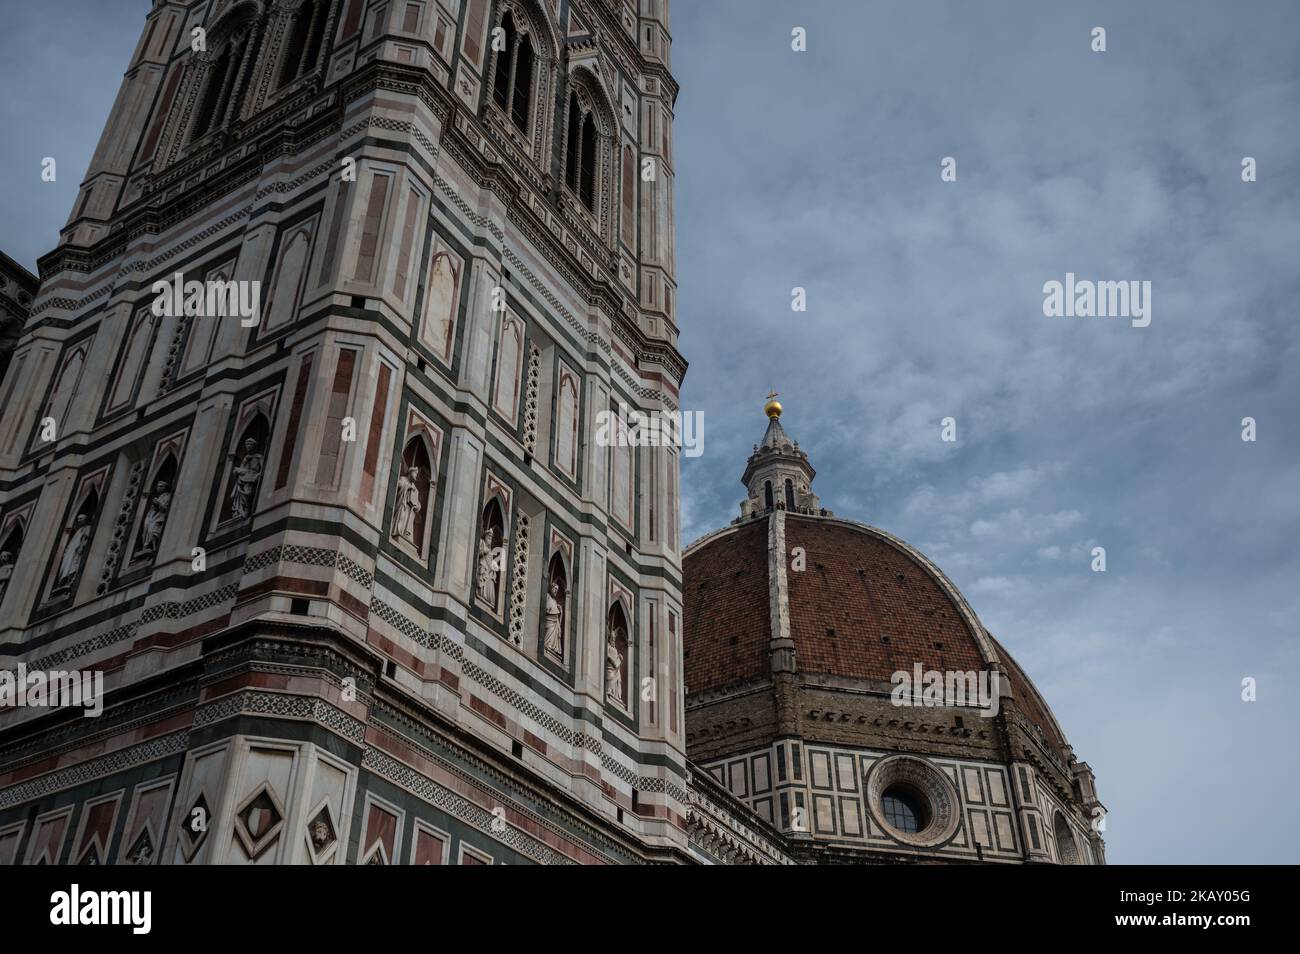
<point>724,828</point>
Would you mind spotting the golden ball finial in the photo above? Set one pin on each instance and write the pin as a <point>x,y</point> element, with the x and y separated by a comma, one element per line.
<point>773,407</point>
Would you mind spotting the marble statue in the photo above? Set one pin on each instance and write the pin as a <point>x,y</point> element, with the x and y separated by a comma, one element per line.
<point>614,667</point>
<point>489,566</point>
<point>555,620</point>
<point>74,554</point>
<point>246,476</point>
<point>155,518</point>
<point>407,509</point>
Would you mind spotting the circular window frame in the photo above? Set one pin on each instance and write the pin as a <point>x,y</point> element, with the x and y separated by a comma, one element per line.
<point>928,784</point>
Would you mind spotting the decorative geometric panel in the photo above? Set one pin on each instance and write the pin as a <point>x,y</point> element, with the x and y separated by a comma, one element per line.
<point>96,830</point>
<point>819,767</point>
<point>851,817</point>
<point>532,390</point>
<point>322,835</point>
<point>430,845</point>
<point>823,815</point>
<point>9,839</point>
<point>379,840</point>
<point>736,780</point>
<point>258,821</point>
<point>47,838</point>
<point>845,779</point>
<point>519,581</point>
<point>194,827</point>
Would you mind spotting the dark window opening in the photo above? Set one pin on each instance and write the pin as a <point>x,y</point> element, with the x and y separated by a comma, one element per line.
<point>512,82</point>
<point>299,28</point>
<point>904,809</point>
<point>523,85</point>
<point>501,81</point>
<point>211,95</point>
<point>587,184</point>
<point>571,147</point>
<point>317,41</point>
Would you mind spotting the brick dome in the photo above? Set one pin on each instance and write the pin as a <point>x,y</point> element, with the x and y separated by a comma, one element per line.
<point>864,606</point>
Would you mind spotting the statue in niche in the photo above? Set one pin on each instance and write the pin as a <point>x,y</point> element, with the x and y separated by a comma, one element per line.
<point>407,508</point>
<point>74,554</point>
<point>555,620</point>
<point>155,518</point>
<point>246,476</point>
<point>490,561</point>
<point>6,571</point>
<point>614,663</point>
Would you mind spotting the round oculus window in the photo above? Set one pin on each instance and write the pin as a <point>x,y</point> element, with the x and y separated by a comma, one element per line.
<point>913,801</point>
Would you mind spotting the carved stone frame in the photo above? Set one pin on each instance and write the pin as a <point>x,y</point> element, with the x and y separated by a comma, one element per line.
<point>930,783</point>
<point>532,21</point>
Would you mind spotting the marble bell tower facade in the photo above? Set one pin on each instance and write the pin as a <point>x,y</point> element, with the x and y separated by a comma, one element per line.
<point>298,448</point>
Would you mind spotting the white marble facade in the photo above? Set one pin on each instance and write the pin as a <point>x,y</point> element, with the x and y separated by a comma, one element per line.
<point>438,331</point>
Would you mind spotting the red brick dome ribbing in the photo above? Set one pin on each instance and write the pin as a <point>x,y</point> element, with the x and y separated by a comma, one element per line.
<point>865,606</point>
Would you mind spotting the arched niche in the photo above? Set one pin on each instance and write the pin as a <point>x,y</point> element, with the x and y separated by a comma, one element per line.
<point>247,467</point>
<point>555,633</point>
<point>411,516</point>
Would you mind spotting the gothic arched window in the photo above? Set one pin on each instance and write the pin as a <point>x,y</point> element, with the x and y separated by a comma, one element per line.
<point>512,79</point>
<point>226,83</point>
<point>520,75</point>
<point>789,494</point>
<point>767,495</point>
<point>212,93</point>
<point>504,63</point>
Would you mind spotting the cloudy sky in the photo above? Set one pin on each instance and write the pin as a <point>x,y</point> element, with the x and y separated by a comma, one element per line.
<point>821,170</point>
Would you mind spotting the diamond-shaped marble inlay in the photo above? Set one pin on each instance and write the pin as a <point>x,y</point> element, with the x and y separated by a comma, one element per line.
<point>258,821</point>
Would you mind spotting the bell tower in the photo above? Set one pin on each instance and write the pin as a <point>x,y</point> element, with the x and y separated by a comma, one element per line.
<point>328,511</point>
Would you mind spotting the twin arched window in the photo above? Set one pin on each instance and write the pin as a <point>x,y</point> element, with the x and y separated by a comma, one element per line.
<point>223,92</point>
<point>512,81</point>
<point>521,84</point>
<point>238,43</point>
